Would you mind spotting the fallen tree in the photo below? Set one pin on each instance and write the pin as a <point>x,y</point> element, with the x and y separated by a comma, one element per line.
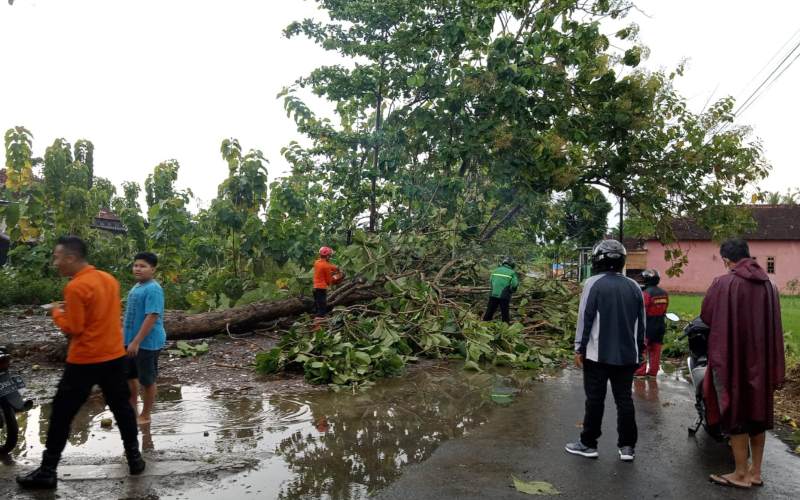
<point>181,325</point>
<point>409,298</point>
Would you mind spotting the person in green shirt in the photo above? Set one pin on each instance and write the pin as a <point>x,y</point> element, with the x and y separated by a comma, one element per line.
<point>504,281</point>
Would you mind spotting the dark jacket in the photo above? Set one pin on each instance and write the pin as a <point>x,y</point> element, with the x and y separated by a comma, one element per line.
<point>656,303</point>
<point>611,320</point>
<point>745,345</point>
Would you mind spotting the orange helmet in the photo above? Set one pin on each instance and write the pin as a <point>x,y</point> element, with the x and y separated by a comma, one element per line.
<point>325,252</point>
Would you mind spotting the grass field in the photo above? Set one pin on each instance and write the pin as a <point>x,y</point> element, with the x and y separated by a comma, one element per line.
<point>689,306</point>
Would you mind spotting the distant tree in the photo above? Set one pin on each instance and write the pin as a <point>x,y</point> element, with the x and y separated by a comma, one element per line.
<point>790,197</point>
<point>586,212</point>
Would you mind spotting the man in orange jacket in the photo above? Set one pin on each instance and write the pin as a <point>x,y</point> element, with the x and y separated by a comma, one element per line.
<point>325,275</point>
<point>90,317</point>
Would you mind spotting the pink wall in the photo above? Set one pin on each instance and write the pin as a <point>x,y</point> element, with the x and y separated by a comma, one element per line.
<point>705,263</point>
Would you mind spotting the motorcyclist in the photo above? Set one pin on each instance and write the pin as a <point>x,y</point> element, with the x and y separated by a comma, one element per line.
<point>609,339</point>
<point>656,303</point>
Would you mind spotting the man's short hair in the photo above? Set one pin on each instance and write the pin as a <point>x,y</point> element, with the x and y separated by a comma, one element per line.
<point>734,249</point>
<point>73,246</point>
<point>148,257</point>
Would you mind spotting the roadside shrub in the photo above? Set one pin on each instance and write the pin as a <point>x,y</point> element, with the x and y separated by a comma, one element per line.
<point>674,346</point>
<point>18,288</point>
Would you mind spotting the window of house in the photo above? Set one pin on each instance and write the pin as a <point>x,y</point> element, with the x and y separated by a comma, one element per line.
<point>771,265</point>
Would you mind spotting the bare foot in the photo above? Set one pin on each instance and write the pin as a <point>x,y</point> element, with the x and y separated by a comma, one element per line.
<point>143,419</point>
<point>731,479</point>
<point>755,479</point>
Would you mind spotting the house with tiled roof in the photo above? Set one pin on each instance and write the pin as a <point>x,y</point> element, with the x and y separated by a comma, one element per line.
<point>774,243</point>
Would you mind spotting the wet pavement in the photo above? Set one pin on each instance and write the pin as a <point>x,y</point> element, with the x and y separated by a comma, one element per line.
<point>526,440</point>
<point>439,432</point>
<point>228,444</point>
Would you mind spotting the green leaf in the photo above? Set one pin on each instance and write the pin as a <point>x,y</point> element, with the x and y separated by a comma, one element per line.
<point>534,487</point>
<point>502,399</point>
<point>471,365</point>
<point>362,357</point>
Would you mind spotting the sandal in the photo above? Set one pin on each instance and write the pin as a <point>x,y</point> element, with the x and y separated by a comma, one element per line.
<point>723,481</point>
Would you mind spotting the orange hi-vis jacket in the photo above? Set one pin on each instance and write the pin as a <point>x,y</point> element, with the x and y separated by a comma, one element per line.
<point>324,273</point>
<point>92,317</point>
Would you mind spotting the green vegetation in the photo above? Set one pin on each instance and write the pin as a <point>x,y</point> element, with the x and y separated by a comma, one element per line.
<point>425,309</point>
<point>687,306</point>
<point>480,128</point>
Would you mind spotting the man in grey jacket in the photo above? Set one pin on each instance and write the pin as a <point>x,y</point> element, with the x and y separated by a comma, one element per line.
<point>609,342</point>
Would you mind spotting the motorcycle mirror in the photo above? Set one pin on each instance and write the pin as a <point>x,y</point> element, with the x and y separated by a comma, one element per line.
<point>672,317</point>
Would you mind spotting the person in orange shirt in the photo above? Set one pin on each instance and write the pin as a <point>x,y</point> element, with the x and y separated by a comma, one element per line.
<point>325,275</point>
<point>90,317</point>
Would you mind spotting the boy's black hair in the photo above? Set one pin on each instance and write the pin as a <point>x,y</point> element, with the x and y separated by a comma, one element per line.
<point>148,257</point>
<point>73,245</point>
<point>734,249</point>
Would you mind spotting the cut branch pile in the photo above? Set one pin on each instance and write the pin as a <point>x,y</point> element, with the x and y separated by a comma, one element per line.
<point>399,306</point>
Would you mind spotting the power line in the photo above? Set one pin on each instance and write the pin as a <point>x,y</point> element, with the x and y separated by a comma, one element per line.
<point>768,81</point>
<point>774,56</point>
<point>745,108</point>
<point>747,101</point>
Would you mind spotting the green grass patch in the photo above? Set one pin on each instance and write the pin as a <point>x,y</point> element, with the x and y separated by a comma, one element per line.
<point>688,306</point>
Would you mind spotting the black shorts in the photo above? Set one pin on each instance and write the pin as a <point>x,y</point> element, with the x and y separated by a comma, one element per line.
<point>144,367</point>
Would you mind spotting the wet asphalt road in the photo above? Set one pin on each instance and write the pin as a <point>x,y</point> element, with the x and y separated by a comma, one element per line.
<point>441,420</point>
<point>527,440</point>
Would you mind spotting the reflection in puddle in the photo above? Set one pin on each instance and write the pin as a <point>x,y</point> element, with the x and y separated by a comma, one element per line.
<point>308,445</point>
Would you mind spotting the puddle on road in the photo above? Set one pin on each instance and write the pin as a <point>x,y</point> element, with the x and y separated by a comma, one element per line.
<point>319,444</point>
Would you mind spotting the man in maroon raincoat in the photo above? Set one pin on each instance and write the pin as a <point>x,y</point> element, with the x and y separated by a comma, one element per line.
<point>745,359</point>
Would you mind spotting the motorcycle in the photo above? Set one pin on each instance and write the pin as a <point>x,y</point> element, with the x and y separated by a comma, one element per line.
<point>11,403</point>
<point>697,332</point>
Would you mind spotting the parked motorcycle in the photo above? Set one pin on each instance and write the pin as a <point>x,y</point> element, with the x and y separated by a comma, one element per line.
<point>11,403</point>
<point>697,334</point>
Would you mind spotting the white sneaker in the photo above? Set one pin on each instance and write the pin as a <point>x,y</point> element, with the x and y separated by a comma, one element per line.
<point>626,454</point>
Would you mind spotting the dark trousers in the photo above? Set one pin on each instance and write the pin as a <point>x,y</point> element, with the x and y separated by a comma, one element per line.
<point>320,302</point>
<point>595,383</point>
<point>73,391</point>
<point>494,303</point>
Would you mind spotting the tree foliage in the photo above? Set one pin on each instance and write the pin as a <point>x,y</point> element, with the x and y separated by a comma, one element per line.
<point>464,110</point>
<point>484,125</point>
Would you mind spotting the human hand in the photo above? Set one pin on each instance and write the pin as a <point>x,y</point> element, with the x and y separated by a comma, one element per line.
<point>53,305</point>
<point>579,360</point>
<point>133,349</point>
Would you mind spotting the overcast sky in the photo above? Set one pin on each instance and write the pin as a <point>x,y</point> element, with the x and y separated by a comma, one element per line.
<point>151,80</point>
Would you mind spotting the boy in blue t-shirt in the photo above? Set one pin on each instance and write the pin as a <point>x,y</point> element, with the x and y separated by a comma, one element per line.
<point>144,332</point>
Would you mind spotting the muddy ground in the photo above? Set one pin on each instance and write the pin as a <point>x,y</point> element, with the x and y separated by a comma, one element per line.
<point>37,345</point>
<point>221,431</point>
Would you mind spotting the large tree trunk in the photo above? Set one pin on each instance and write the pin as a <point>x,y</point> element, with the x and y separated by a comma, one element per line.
<point>181,325</point>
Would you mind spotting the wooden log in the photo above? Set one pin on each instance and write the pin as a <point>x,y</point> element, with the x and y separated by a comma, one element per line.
<point>181,325</point>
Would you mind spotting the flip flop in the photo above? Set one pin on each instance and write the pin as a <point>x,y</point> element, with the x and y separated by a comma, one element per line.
<point>726,482</point>
<point>757,484</point>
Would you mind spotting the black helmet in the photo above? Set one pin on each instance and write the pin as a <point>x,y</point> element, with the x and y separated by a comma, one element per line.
<point>651,277</point>
<point>608,251</point>
<point>508,262</point>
